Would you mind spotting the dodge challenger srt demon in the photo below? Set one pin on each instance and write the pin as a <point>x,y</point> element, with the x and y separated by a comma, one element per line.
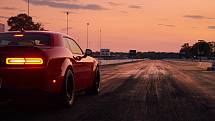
<point>46,62</point>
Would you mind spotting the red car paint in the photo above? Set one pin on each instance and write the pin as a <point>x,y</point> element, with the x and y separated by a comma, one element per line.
<point>49,76</point>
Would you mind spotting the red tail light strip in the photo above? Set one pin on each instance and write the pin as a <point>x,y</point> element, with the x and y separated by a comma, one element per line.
<point>24,61</point>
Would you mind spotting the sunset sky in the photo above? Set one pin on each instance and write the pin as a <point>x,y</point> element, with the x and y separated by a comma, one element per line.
<point>145,25</point>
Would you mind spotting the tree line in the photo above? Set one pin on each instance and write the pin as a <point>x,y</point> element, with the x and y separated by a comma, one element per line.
<point>199,49</point>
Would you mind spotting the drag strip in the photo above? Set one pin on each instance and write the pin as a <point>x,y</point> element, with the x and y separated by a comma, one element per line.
<point>140,91</point>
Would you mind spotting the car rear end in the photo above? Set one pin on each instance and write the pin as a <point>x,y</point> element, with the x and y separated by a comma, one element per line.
<point>23,61</point>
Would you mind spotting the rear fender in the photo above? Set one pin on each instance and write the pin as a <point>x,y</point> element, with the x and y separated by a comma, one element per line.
<point>55,71</point>
<point>65,65</point>
<point>95,66</point>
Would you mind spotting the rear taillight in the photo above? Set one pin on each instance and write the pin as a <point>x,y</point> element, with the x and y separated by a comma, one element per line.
<point>24,61</point>
<point>33,61</point>
<point>18,35</point>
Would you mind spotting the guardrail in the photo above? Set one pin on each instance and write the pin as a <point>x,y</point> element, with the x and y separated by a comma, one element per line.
<point>109,62</point>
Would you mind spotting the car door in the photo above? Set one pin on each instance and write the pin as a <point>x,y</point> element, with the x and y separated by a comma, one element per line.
<point>82,66</point>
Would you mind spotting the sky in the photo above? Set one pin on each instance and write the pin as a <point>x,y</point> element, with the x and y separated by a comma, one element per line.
<point>144,25</point>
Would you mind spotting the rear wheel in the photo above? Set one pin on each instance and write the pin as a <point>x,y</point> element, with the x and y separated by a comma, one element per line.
<point>95,88</point>
<point>68,90</point>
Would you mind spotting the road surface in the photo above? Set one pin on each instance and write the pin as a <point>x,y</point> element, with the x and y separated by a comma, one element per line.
<point>142,91</point>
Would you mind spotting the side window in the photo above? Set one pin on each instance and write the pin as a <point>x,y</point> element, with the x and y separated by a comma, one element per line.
<point>73,46</point>
<point>66,43</point>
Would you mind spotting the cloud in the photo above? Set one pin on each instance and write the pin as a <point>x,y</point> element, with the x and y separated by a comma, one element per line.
<point>114,4</point>
<point>211,27</point>
<point>197,17</point>
<point>125,12</point>
<point>4,17</point>
<point>210,18</point>
<point>55,4</point>
<point>135,6</point>
<point>167,25</point>
<point>195,27</point>
<point>8,8</point>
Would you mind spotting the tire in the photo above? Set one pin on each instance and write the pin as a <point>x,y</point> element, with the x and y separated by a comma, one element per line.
<point>68,90</point>
<point>95,89</point>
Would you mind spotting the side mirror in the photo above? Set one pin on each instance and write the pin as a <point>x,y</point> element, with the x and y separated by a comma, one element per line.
<point>88,52</point>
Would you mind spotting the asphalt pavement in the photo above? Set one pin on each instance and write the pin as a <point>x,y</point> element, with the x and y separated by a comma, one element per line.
<point>152,90</point>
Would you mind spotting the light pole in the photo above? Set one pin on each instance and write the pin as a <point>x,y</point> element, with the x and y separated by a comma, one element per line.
<point>87,35</point>
<point>67,23</point>
<point>100,41</point>
<point>28,8</point>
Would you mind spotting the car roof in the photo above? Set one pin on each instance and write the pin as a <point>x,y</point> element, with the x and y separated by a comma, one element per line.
<point>37,32</point>
<point>49,33</point>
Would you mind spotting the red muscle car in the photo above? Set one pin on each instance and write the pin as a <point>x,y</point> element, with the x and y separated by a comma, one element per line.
<point>46,62</point>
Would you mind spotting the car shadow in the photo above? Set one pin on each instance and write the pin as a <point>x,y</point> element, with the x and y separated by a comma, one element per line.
<point>27,109</point>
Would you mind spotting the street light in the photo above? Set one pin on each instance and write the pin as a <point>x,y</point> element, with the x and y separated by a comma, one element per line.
<point>100,41</point>
<point>87,35</point>
<point>28,7</point>
<point>100,38</point>
<point>67,23</point>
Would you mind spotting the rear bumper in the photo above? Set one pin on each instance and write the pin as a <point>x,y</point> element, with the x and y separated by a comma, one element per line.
<point>29,80</point>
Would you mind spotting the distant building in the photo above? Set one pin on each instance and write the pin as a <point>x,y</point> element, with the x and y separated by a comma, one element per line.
<point>132,53</point>
<point>2,27</point>
<point>105,52</point>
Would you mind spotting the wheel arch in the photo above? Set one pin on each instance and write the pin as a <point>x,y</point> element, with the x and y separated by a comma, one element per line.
<point>96,68</point>
<point>67,65</point>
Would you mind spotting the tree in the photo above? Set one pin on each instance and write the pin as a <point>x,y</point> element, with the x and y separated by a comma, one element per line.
<point>185,50</point>
<point>23,22</point>
<point>201,48</point>
<point>212,46</point>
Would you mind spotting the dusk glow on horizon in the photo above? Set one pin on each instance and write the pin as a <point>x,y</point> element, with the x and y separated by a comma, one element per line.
<point>144,25</point>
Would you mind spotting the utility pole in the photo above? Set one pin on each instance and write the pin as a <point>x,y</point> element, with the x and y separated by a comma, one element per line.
<point>67,26</point>
<point>87,35</point>
<point>100,39</point>
<point>28,8</point>
<point>100,42</point>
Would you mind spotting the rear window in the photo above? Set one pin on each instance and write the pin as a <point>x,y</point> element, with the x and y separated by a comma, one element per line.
<point>25,40</point>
